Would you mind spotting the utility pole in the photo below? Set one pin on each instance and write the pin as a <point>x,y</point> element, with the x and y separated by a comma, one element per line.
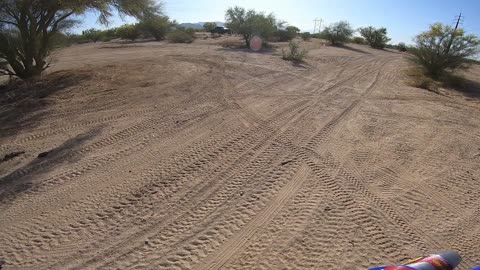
<point>319,21</point>
<point>459,19</point>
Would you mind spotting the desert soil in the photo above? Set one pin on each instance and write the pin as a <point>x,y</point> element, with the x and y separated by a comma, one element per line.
<point>164,156</point>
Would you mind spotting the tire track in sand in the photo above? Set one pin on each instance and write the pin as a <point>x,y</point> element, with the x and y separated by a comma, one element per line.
<point>233,245</point>
<point>262,148</point>
<point>294,108</point>
<point>326,129</point>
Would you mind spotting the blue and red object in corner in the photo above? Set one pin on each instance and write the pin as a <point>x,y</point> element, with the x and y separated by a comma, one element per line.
<point>447,260</point>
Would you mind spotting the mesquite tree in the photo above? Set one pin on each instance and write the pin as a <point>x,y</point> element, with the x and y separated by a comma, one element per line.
<point>249,23</point>
<point>338,33</point>
<point>28,26</point>
<point>376,37</point>
<point>443,48</point>
<point>209,26</point>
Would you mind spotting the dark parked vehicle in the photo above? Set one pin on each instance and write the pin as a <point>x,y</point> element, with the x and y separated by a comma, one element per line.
<point>221,30</point>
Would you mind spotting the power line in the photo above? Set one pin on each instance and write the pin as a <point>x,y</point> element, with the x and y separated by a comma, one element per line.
<point>319,21</point>
<point>459,19</point>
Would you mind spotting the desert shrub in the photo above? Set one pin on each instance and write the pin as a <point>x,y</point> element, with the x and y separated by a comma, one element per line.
<point>191,32</point>
<point>338,33</point>
<point>27,28</point>
<point>294,52</point>
<point>287,34</point>
<point>209,26</point>
<point>180,36</point>
<point>443,48</point>
<point>390,46</point>
<point>129,31</point>
<point>108,35</point>
<point>426,83</point>
<point>402,47</point>
<point>293,29</point>
<point>92,34</point>
<point>320,35</point>
<point>173,24</point>
<point>420,80</point>
<point>250,23</point>
<point>156,26</point>
<point>82,41</point>
<point>375,37</point>
<point>284,35</point>
<point>306,36</point>
<point>60,40</point>
<point>358,40</point>
<point>75,39</point>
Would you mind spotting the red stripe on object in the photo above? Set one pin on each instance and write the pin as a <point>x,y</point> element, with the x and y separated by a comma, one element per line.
<point>398,267</point>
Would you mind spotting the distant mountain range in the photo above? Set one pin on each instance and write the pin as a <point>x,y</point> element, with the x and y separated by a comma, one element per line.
<point>198,25</point>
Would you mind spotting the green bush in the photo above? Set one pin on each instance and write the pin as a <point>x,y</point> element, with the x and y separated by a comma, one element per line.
<point>181,36</point>
<point>129,31</point>
<point>376,38</point>
<point>306,36</point>
<point>209,26</point>
<point>443,48</point>
<point>108,35</point>
<point>60,40</point>
<point>284,35</point>
<point>250,23</point>
<point>426,83</point>
<point>293,29</point>
<point>358,40</point>
<point>287,34</point>
<point>156,26</point>
<point>338,33</point>
<point>402,47</point>
<point>191,32</point>
<point>319,35</point>
<point>92,34</point>
<point>294,52</point>
<point>420,80</point>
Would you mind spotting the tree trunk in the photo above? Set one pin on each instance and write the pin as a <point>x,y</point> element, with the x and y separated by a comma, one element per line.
<point>33,63</point>
<point>247,40</point>
<point>30,46</point>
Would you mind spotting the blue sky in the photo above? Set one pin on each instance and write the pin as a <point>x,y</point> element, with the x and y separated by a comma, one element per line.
<point>403,18</point>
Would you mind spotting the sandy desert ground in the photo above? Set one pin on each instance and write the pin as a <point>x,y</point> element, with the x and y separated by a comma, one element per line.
<point>167,156</point>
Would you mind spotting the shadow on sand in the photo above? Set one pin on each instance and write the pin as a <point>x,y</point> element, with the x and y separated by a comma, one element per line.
<point>464,86</point>
<point>25,104</point>
<point>23,178</point>
<point>352,49</point>
<point>243,48</point>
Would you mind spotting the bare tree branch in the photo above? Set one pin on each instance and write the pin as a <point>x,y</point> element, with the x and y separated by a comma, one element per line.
<point>8,22</point>
<point>4,71</point>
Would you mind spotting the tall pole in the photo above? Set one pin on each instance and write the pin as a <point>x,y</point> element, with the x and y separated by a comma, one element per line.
<point>319,25</point>
<point>453,34</point>
<point>458,20</point>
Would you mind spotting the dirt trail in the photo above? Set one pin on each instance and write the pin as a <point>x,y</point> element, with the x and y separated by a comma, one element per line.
<point>198,157</point>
